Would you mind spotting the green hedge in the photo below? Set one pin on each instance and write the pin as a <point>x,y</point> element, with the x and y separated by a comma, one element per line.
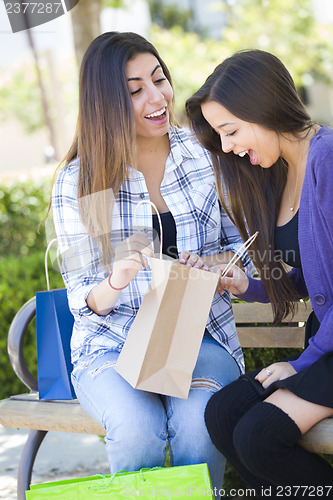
<point>23,206</point>
<point>20,279</point>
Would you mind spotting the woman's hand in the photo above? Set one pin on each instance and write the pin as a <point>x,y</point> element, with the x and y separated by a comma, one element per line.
<point>130,258</point>
<point>235,281</point>
<point>274,372</point>
<point>192,260</point>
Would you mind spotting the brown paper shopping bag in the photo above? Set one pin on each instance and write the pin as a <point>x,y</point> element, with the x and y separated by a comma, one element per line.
<point>161,350</point>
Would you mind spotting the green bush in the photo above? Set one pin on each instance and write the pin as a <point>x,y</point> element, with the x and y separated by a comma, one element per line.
<point>20,279</point>
<point>23,206</point>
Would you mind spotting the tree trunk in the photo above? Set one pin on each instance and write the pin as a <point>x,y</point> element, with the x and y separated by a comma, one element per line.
<point>86,25</point>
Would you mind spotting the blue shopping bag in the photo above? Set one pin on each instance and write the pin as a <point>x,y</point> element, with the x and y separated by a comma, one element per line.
<point>54,326</point>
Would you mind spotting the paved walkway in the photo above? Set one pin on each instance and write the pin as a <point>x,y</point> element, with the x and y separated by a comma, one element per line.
<point>61,456</point>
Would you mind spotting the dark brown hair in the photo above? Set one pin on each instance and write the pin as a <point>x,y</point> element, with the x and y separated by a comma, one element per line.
<point>256,87</point>
<point>105,137</point>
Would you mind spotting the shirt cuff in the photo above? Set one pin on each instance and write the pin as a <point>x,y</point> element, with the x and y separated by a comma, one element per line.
<point>77,300</point>
<point>255,292</point>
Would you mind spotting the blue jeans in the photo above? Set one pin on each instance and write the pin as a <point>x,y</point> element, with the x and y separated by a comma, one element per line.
<point>140,424</point>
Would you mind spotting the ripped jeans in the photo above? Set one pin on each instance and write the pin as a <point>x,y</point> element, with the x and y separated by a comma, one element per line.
<point>140,424</point>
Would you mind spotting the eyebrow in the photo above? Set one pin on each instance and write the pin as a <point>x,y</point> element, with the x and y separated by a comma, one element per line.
<point>152,74</point>
<point>225,124</point>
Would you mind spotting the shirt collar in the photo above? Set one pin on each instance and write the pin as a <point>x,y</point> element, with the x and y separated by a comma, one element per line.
<point>182,147</point>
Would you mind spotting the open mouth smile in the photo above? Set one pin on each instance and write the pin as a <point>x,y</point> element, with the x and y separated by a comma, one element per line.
<point>243,153</point>
<point>157,114</point>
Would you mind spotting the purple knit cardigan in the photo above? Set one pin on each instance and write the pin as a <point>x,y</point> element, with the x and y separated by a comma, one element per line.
<point>315,236</point>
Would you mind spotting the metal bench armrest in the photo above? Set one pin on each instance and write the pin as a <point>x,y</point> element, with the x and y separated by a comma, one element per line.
<point>16,335</point>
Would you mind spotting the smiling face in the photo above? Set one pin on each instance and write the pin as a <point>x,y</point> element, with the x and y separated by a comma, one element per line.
<point>151,95</point>
<point>241,137</point>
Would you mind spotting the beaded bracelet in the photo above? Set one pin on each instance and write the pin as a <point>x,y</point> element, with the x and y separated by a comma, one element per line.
<point>113,287</point>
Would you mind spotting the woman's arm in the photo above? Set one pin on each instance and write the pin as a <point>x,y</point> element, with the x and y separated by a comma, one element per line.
<point>130,258</point>
<point>250,289</point>
<point>319,269</point>
<point>84,275</point>
<point>319,344</point>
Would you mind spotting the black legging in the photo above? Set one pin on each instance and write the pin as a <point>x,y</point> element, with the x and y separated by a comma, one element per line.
<point>260,441</point>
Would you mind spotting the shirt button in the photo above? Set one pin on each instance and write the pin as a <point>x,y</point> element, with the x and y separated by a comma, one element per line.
<point>142,195</point>
<point>319,299</point>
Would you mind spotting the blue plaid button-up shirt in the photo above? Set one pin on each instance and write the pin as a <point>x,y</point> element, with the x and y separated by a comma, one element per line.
<point>189,190</point>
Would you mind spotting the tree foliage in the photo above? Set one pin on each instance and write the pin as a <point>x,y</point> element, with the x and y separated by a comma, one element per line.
<point>20,98</point>
<point>168,15</point>
<point>189,58</point>
<point>288,29</point>
<point>116,4</point>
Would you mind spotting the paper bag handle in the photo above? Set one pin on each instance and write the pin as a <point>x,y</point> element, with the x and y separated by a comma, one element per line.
<point>240,253</point>
<point>159,221</point>
<point>45,262</point>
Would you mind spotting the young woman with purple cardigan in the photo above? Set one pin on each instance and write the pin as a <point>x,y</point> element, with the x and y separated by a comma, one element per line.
<point>277,168</point>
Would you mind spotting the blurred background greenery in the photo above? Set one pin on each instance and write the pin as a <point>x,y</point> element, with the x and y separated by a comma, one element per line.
<point>40,94</point>
<point>288,28</point>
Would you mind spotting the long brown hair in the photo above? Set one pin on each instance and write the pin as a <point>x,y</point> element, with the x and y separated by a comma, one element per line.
<point>105,137</point>
<point>256,87</point>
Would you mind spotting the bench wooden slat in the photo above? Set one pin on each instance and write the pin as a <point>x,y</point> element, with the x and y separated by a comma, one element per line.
<point>262,313</point>
<point>268,336</point>
<point>26,412</point>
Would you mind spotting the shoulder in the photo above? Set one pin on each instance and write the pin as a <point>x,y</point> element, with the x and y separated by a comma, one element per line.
<point>67,179</point>
<point>319,169</point>
<point>321,151</point>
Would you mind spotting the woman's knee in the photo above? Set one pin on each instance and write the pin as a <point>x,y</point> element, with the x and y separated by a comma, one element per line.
<point>135,441</point>
<point>228,405</point>
<point>147,419</point>
<point>136,437</point>
<point>246,438</point>
<point>259,437</point>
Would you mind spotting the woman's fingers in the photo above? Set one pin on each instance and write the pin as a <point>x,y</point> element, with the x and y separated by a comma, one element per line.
<point>235,280</point>
<point>135,248</point>
<point>274,372</point>
<point>264,374</point>
<point>183,256</point>
<point>192,260</point>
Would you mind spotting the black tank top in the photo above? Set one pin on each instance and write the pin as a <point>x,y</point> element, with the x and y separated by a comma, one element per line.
<point>286,242</point>
<point>169,234</point>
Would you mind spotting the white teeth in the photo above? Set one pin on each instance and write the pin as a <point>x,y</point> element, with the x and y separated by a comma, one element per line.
<point>242,154</point>
<point>157,113</point>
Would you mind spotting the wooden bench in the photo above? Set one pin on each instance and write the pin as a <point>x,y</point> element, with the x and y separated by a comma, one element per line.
<point>27,412</point>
